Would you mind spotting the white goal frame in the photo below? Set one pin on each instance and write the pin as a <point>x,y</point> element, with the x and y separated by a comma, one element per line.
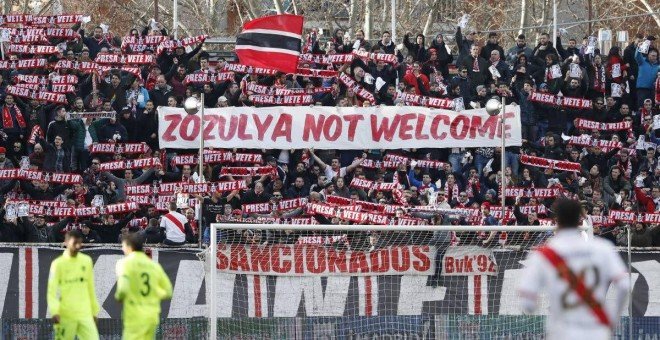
<point>211,282</point>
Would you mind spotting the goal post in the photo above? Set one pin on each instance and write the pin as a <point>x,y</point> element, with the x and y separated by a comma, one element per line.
<point>360,281</point>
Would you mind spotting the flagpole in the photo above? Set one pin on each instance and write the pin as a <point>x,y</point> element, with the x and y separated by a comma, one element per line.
<point>554,21</point>
<point>175,19</point>
<point>200,224</point>
<point>393,21</point>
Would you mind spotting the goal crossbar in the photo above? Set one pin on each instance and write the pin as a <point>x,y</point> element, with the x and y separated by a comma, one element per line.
<point>368,227</point>
<point>213,322</point>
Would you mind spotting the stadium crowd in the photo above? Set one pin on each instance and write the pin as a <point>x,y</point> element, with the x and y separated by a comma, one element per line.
<point>612,133</point>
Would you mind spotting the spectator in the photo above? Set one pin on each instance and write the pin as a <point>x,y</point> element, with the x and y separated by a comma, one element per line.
<point>443,56</point>
<point>519,48</point>
<point>464,44</point>
<point>96,42</point>
<point>57,157</point>
<point>177,228</point>
<point>543,49</point>
<point>417,48</point>
<point>387,45</point>
<point>476,66</point>
<point>13,121</point>
<point>491,45</point>
<point>646,74</point>
<point>417,80</point>
<point>113,131</point>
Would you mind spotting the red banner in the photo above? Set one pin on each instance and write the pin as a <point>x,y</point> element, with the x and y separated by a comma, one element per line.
<point>202,78</point>
<point>172,44</point>
<point>248,171</point>
<point>22,64</point>
<point>36,175</point>
<point>587,140</point>
<point>550,163</point>
<point>569,102</point>
<point>216,156</point>
<point>254,88</point>
<point>32,49</point>
<point>581,123</point>
<point>121,148</point>
<point>532,192</point>
<point>125,59</point>
<point>238,68</point>
<point>326,59</point>
<point>150,40</point>
<point>417,100</point>
<point>359,90</point>
<point>140,163</point>
<point>290,100</point>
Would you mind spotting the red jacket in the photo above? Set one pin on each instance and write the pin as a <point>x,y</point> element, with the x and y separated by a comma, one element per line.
<point>410,79</point>
<point>645,200</point>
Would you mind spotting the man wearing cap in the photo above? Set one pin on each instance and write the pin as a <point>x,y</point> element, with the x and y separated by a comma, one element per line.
<point>222,102</point>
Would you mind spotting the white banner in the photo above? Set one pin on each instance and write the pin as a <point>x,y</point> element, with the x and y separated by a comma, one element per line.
<point>344,128</point>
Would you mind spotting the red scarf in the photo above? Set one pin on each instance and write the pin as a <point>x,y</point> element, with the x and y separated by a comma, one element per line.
<point>643,113</point>
<point>193,225</point>
<point>472,183</point>
<point>599,78</point>
<point>7,122</point>
<point>307,48</point>
<point>80,196</point>
<point>451,190</point>
<point>626,168</point>
<point>657,91</point>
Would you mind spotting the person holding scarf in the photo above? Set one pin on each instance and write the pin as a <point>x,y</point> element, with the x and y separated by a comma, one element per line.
<point>96,42</point>
<point>476,66</point>
<point>444,58</point>
<point>14,123</point>
<point>596,71</point>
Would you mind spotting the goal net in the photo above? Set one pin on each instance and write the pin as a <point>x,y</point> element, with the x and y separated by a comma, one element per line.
<point>277,281</point>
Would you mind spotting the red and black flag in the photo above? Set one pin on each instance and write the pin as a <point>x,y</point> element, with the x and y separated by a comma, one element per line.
<point>271,42</point>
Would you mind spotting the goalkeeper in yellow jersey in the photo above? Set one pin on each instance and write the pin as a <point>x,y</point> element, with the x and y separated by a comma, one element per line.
<point>71,297</point>
<point>141,285</point>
